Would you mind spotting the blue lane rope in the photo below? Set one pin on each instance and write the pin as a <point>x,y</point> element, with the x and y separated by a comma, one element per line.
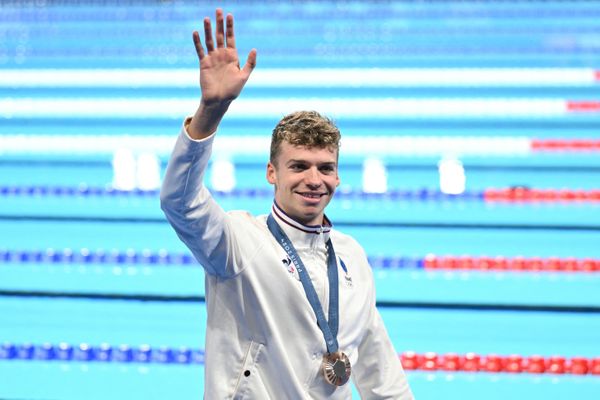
<point>102,353</point>
<point>161,257</point>
<point>423,194</point>
<point>85,256</point>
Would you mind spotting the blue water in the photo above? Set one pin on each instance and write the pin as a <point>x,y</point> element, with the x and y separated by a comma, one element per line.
<point>316,34</point>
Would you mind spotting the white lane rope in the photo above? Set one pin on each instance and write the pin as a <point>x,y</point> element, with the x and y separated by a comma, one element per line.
<point>299,78</point>
<point>350,108</point>
<point>255,145</point>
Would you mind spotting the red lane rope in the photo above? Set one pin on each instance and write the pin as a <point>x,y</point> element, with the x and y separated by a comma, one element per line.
<point>472,362</point>
<point>597,75</point>
<point>583,106</point>
<point>523,194</point>
<point>565,145</point>
<point>500,263</point>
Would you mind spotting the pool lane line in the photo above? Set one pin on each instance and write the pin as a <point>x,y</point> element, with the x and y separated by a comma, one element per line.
<point>426,225</point>
<point>347,224</point>
<point>162,257</point>
<point>488,307</point>
<point>339,107</point>
<point>306,77</point>
<point>254,144</point>
<point>411,361</point>
<point>83,352</point>
<point>382,304</point>
<point>157,298</point>
<point>404,146</point>
<point>501,263</point>
<point>494,363</point>
<point>157,123</point>
<point>514,194</point>
<point>349,165</point>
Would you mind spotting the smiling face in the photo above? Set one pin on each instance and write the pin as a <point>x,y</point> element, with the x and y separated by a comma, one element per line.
<point>305,179</point>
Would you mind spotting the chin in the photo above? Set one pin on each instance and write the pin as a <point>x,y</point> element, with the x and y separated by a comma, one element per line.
<point>309,219</point>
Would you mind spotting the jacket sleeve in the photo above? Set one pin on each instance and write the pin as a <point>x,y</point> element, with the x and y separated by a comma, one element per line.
<point>378,373</point>
<point>197,219</point>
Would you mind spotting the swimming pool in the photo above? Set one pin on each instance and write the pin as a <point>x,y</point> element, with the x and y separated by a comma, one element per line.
<point>98,297</point>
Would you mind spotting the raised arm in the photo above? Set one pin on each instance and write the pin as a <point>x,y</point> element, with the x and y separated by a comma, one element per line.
<point>221,78</point>
<point>197,219</point>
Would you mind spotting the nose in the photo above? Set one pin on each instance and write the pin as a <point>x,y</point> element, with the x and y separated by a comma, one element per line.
<point>312,178</point>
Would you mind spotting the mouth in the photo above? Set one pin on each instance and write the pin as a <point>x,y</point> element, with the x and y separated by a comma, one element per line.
<point>311,195</point>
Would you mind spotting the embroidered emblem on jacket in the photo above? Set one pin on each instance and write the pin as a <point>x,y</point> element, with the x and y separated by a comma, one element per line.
<point>289,265</point>
<point>291,268</point>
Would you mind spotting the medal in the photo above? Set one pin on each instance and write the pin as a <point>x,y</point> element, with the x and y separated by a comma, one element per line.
<point>336,368</point>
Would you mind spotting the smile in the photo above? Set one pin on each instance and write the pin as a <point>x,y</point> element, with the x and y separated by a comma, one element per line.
<point>312,195</point>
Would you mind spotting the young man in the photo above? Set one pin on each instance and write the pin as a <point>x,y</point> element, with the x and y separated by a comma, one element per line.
<point>291,301</point>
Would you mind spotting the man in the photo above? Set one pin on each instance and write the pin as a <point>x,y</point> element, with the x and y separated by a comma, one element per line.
<point>291,301</point>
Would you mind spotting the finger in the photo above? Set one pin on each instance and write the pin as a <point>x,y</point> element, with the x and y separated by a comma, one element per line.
<point>230,34</point>
<point>208,39</point>
<point>220,33</point>
<point>250,63</point>
<point>198,45</point>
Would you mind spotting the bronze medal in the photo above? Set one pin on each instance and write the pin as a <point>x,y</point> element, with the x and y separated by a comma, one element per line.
<point>336,368</point>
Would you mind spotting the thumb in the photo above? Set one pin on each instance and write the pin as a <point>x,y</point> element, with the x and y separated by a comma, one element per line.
<point>250,62</point>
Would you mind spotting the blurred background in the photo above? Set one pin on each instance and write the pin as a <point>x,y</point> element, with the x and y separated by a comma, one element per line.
<point>470,174</point>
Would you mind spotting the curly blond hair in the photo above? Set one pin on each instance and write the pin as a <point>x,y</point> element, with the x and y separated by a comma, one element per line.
<point>305,128</point>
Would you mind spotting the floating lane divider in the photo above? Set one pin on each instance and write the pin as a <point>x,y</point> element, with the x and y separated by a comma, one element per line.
<point>565,145</point>
<point>450,362</point>
<point>305,77</point>
<point>85,191</point>
<point>499,263</point>
<point>255,145</point>
<point>526,194</point>
<point>102,353</point>
<point>472,362</point>
<point>429,262</point>
<point>272,107</point>
<point>513,194</point>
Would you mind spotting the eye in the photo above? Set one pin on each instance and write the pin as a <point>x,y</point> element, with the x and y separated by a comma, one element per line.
<point>297,167</point>
<point>327,168</point>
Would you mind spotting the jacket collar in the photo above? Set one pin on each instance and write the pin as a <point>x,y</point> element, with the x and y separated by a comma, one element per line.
<point>302,235</point>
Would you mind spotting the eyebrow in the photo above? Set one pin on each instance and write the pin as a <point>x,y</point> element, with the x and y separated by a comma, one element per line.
<point>332,163</point>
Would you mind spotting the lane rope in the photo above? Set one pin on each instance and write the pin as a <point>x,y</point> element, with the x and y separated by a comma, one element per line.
<point>337,107</point>
<point>535,195</point>
<point>255,145</point>
<point>304,77</point>
<point>258,145</point>
<point>101,353</point>
<point>411,361</point>
<point>472,362</point>
<point>429,262</point>
<point>512,194</point>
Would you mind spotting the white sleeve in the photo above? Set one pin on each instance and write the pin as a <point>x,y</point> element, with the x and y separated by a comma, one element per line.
<point>378,373</point>
<point>197,219</point>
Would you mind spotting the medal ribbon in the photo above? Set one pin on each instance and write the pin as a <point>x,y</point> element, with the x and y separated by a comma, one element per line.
<point>329,329</point>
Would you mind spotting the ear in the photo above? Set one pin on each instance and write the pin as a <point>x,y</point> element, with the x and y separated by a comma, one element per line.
<point>271,174</point>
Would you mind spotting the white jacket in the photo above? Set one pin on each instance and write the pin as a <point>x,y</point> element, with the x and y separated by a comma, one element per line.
<point>262,339</point>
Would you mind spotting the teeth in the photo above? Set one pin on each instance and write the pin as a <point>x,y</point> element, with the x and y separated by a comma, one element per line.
<point>312,196</point>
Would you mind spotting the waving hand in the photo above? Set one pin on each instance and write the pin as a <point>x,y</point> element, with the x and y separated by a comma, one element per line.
<point>221,78</point>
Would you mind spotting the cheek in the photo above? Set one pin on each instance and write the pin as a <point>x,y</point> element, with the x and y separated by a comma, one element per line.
<point>332,181</point>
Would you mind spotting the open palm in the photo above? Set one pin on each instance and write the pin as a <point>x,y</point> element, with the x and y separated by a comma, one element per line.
<point>221,78</point>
